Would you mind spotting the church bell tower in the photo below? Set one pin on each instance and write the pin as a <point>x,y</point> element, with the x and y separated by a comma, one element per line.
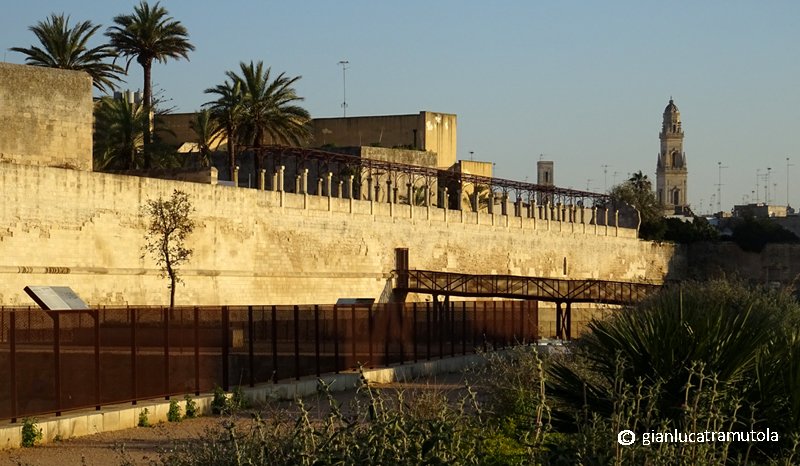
<point>671,171</point>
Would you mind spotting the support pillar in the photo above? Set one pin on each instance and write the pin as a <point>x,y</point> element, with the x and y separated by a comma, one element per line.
<point>369,188</point>
<point>280,178</point>
<point>319,186</point>
<point>236,176</point>
<point>409,193</point>
<point>388,191</point>
<point>339,192</point>
<point>504,206</point>
<point>261,181</point>
<point>459,193</point>
<point>328,185</point>
<point>275,181</point>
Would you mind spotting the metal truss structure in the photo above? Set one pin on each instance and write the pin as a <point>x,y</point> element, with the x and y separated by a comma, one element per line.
<point>398,174</point>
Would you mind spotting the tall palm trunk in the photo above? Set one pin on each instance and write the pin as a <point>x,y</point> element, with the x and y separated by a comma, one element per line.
<point>148,101</point>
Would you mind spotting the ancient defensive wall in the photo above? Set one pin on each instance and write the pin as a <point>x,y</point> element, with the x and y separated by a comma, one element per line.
<point>85,230</point>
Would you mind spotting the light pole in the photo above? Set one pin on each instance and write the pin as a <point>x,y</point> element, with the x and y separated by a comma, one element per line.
<point>605,177</point>
<point>719,187</point>
<point>344,85</point>
<point>787,181</point>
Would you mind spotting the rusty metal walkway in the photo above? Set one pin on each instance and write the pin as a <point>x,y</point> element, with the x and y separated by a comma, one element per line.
<point>561,292</point>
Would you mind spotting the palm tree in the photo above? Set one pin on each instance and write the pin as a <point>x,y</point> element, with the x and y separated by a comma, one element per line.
<point>119,131</point>
<point>206,128</point>
<point>640,182</point>
<point>269,107</point>
<point>66,49</point>
<point>146,35</point>
<point>228,111</point>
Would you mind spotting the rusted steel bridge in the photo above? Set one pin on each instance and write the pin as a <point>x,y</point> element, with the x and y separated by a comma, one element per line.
<point>561,292</point>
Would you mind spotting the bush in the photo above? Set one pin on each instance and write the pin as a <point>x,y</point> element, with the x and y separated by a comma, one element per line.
<point>220,400</point>
<point>224,404</point>
<point>31,433</point>
<point>143,421</point>
<point>191,408</point>
<point>174,413</point>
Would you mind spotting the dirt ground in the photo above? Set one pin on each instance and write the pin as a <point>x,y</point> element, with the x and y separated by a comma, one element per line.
<point>143,444</point>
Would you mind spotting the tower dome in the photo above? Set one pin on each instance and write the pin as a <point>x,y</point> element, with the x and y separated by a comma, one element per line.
<point>671,108</point>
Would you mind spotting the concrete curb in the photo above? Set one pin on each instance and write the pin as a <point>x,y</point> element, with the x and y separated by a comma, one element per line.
<point>125,416</point>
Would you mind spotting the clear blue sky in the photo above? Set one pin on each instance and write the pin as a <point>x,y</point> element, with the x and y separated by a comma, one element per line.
<point>583,82</point>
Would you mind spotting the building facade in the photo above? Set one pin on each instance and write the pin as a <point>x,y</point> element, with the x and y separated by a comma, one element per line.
<point>671,169</point>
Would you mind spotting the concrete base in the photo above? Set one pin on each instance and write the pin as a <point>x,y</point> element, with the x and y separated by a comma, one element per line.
<point>126,416</point>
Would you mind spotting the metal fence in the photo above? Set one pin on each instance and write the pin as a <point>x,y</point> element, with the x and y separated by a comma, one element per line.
<point>54,361</point>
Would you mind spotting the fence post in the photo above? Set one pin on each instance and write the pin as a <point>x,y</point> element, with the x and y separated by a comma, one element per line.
<point>225,348</point>
<point>428,328</point>
<point>513,329</point>
<point>250,337</point>
<point>133,354</point>
<point>387,312</point>
<point>12,343</point>
<point>297,342</point>
<point>316,325</point>
<point>336,337</point>
<point>494,325</point>
<point>414,330</point>
<point>464,328</point>
<point>353,336</point>
<point>196,351</point>
<point>370,330</point>
<point>400,311</point>
<point>97,393</point>
<point>505,329</point>
<point>522,319</point>
<point>166,353</point>
<point>451,311</point>
<point>275,342</point>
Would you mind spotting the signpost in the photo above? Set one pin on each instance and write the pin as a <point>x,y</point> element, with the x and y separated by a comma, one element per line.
<point>55,298</point>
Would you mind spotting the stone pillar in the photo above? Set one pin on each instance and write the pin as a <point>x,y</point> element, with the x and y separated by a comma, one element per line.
<point>319,186</point>
<point>275,181</point>
<point>559,212</point>
<point>328,185</point>
<point>261,180</point>
<point>389,191</point>
<point>548,211</point>
<point>445,200</point>
<point>616,223</point>
<point>410,193</point>
<point>394,199</point>
<point>236,176</point>
<point>304,183</point>
<point>426,198</point>
<point>351,187</point>
<point>377,192</point>
<point>504,205</point>
<point>339,192</point>
<point>490,207</point>
<point>280,178</point>
<point>369,188</point>
<point>534,210</point>
<point>459,193</point>
<point>475,201</point>
<point>297,182</point>
<point>583,215</point>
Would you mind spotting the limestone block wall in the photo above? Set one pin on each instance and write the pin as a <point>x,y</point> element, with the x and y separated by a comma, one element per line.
<point>45,116</point>
<point>84,230</point>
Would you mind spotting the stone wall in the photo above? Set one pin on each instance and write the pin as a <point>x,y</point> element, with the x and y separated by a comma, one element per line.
<point>45,117</point>
<point>84,230</point>
<point>777,264</point>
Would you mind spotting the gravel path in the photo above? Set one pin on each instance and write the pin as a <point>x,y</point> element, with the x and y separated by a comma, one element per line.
<point>143,444</point>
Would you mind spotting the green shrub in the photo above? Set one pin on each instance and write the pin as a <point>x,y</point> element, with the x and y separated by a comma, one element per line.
<point>191,408</point>
<point>31,433</point>
<point>143,421</point>
<point>174,413</point>
<point>238,402</point>
<point>220,401</point>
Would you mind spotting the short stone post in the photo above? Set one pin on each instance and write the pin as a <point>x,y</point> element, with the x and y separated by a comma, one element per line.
<point>369,188</point>
<point>547,211</point>
<point>350,189</point>
<point>490,206</point>
<point>319,186</point>
<point>594,218</point>
<point>297,181</point>
<point>605,219</point>
<point>504,206</point>
<point>304,182</point>
<point>616,223</point>
<point>262,180</point>
<point>236,176</point>
<point>389,191</point>
<point>329,178</point>
<point>409,194</point>
<point>583,215</point>
<point>280,178</point>
<point>459,193</point>
<point>559,212</point>
<point>339,192</point>
<point>275,181</point>
<point>425,197</point>
<point>377,192</point>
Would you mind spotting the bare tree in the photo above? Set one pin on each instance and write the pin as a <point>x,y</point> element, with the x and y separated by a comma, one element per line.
<point>169,224</point>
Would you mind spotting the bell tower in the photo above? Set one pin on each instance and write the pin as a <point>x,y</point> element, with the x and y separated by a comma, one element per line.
<point>671,171</point>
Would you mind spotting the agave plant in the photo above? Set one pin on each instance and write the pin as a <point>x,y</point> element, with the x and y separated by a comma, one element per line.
<point>729,329</point>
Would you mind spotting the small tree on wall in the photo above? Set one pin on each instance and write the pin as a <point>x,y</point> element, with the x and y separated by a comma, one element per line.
<point>169,224</point>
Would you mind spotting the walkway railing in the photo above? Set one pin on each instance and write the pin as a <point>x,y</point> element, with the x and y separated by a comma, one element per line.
<point>55,361</point>
<point>520,287</point>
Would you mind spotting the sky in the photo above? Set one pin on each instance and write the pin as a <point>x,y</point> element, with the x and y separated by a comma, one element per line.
<point>584,83</point>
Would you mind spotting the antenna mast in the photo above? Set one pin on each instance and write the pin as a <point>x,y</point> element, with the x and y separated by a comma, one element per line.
<point>719,187</point>
<point>344,85</point>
